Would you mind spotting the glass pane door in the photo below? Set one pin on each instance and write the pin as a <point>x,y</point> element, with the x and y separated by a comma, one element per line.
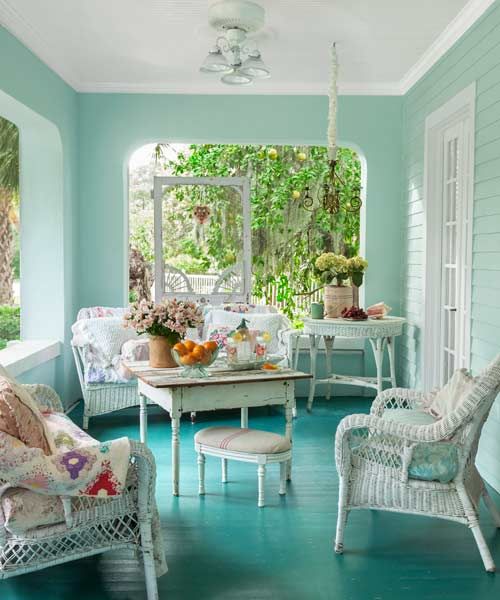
<point>451,252</point>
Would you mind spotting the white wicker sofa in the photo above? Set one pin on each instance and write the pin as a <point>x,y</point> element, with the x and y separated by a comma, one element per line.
<point>97,352</point>
<point>374,456</point>
<point>39,530</point>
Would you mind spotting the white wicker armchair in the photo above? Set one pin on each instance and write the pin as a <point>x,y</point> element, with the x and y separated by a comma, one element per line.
<point>373,456</point>
<point>92,524</point>
<point>103,397</point>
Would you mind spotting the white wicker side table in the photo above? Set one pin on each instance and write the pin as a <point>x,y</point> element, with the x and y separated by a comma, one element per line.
<point>381,334</point>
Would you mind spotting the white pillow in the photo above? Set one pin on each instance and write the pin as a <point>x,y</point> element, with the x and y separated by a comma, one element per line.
<point>106,335</point>
<point>449,397</point>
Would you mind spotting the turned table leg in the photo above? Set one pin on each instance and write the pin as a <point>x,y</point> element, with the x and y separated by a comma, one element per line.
<point>288,425</point>
<point>143,419</point>
<point>175,424</point>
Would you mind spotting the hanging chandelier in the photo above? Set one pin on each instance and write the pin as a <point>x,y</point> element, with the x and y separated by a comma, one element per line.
<point>333,188</point>
<point>234,55</point>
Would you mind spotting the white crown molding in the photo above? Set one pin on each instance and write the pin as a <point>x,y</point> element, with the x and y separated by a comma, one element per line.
<point>32,39</point>
<point>214,87</point>
<point>469,14</point>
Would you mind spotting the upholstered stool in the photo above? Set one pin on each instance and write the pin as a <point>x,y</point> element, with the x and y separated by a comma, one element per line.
<point>247,445</point>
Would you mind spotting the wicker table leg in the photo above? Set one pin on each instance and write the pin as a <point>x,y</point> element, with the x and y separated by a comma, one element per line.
<point>328,359</point>
<point>392,360</point>
<point>312,386</point>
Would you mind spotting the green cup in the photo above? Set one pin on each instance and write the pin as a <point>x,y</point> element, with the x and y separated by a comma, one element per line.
<point>317,310</point>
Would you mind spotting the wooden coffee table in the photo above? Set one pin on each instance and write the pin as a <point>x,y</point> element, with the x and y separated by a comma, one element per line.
<point>223,389</point>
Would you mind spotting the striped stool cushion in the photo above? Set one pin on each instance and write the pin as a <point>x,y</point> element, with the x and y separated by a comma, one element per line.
<point>243,440</point>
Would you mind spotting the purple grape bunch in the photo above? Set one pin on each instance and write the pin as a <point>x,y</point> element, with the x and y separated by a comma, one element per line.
<point>356,313</point>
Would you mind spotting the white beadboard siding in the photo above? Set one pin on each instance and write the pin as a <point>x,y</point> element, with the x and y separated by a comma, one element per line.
<point>475,57</point>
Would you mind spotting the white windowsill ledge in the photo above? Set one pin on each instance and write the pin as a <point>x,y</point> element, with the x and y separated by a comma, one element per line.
<point>20,357</point>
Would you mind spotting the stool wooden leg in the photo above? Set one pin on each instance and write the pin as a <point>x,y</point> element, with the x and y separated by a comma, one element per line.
<point>283,471</point>
<point>224,470</point>
<point>201,473</point>
<point>261,473</point>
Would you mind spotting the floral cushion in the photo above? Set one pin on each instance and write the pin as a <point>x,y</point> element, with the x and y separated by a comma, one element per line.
<point>24,510</point>
<point>82,466</point>
<point>100,312</point>
<point>274,323</point>
<point>432,461</point>
<point>20,416</point>
<point>219,334</point>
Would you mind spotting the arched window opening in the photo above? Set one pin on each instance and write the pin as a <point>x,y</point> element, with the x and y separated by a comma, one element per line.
<point>289,225</point>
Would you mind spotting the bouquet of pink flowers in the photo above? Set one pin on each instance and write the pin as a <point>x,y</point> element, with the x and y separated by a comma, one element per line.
<point>169,318</point>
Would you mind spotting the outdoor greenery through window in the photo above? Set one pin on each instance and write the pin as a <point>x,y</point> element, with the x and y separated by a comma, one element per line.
<point>287,236</point>
<point>9,233</point>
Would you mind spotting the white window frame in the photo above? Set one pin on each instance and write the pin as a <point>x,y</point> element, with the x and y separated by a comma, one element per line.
<point>460,109</point>
<point>242,186</point>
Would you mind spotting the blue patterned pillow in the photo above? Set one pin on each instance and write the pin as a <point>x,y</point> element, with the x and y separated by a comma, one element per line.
<point>430,462</point>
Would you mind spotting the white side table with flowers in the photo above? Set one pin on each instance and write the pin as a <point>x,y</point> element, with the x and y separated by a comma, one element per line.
<point>380,333</point>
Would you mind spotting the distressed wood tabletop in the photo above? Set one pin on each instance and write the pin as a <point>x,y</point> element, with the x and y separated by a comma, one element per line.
<point>219,375</point>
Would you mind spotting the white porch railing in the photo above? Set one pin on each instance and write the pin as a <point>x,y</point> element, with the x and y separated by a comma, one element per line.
<point>204,284</point>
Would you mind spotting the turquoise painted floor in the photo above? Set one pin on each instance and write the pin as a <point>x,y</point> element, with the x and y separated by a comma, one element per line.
<point>222,547</point>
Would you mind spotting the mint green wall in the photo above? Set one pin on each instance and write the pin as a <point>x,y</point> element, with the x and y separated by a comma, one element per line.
<point>113,126</point>
<point>475,57</point>
<point>46,111</point>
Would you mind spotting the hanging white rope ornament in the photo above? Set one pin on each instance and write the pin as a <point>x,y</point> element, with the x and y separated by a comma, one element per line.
<point>332,106</point>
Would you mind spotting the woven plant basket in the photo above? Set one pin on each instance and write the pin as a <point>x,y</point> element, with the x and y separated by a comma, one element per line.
<point>160,355</point>
<point>337,297</point>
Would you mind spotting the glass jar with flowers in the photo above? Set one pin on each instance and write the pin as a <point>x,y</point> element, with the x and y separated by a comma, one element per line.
<point>334,272</point>
<point>166,323</point>
<point>357,266</point>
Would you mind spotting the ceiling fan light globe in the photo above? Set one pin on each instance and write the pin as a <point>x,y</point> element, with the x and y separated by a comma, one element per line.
<point>255,67</point>
<point>215,62</point>
<point>236,78</point>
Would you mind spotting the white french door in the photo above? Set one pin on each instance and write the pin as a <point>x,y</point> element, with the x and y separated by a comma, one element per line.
<point>453,269</point>
<point>449,170</point>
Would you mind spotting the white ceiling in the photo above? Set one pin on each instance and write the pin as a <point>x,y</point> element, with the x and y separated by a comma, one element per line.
<point>384,46</point>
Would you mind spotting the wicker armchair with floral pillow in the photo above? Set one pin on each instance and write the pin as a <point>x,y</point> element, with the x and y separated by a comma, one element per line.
<point>64,495</point>
<point>400,458</point>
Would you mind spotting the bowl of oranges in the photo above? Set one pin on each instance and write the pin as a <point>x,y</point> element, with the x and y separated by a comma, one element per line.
<point>194,357</point>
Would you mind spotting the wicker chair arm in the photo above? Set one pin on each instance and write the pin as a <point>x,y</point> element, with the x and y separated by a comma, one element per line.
<point>44,396</point>
<point>401,437</point>
<point>397,398</point>
<point>143,458</point>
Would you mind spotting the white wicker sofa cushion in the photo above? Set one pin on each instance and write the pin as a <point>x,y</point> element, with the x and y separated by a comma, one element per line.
<point>102,339</point>
<point>274,323</point>
<point>449,397</point>
<point>430,462</point>
<point>236,439</point>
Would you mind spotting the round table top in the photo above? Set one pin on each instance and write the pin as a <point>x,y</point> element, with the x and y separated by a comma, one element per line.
<point>371,328</point>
